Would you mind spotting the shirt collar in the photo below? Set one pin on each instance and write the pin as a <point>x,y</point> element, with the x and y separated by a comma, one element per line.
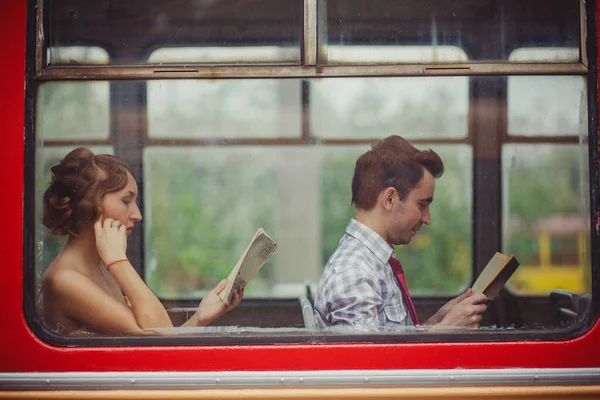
<point>370,239</point>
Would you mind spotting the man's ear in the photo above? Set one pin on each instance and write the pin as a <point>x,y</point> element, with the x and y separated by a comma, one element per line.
<point>388,197</point>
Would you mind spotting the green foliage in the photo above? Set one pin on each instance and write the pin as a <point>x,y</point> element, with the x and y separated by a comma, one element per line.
<point>543,181</point>
<point>336,195</point>
<point>203,214</point>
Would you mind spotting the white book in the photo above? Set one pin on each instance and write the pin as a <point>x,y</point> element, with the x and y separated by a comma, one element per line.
<point>260,249</point>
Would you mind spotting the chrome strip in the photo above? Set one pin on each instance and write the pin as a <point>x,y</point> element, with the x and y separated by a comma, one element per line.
<point>39,40</point>
<point>309,36</point>
<point>322,35</point>
<point>298,379</point>
<point>583,32</point>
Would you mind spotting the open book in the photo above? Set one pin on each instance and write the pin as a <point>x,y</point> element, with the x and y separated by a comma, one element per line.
<point>495,274</point>
<point>257,253</point>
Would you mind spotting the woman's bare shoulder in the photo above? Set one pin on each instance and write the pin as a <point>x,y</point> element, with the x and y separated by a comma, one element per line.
<point>63,271</point>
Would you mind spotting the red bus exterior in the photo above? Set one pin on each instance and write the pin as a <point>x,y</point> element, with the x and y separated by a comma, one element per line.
<point>21,351</point>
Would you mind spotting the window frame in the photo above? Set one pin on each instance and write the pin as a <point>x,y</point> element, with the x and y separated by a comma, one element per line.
<point>312,67</point>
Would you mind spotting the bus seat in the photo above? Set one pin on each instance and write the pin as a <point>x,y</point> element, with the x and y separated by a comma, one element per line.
<point>568,307</point>
<point>585,301</point>
<point>308,314</point>
<point>309,295</point>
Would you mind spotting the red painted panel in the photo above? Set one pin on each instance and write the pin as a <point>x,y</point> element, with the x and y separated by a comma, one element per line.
<point>21,351</point>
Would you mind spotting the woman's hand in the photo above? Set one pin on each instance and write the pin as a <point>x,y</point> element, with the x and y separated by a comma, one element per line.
<point>212,307</point>
<point>111,240</point>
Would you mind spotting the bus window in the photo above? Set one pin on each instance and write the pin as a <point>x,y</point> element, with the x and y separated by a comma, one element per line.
<point>546,106</point>
<point>201,211</point>
<point>256,135</point>
<point>73,111</point>
<point>540,54</point>
<point>224,109</point>
<point>270,24</point>
<point>506,25</point>
<point>61,55</point>
<point>229,55</point>
<point>555,252</point>
<point>416,108</point>
<point>553,236</point>
<point>340,54</point>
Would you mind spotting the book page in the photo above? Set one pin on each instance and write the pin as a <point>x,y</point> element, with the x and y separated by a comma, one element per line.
<point>257,253</point>
<point>489,272</point>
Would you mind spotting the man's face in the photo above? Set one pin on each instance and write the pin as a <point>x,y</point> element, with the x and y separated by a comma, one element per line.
<point>409,215</point>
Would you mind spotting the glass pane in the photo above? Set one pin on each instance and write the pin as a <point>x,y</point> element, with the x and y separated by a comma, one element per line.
<point>74,55</point>
<point>550,237</point>
<point>540,54</point>
<point>227,55</point>
<point>73,110</point>
<point>224,109</point>
<point>547,105</point>
<point>485,31</point>
<point>132,29</point>
<point>430,107</point>
<point>204,204</point>
<point>365,54</point>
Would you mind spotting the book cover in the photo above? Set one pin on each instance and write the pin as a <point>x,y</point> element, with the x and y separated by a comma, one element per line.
<point>495,275</point>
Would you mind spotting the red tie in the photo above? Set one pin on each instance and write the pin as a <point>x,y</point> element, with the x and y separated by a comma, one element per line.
<point>397,268</point>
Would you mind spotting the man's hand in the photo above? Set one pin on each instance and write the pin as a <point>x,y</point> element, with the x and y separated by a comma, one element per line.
<point>465,310</point>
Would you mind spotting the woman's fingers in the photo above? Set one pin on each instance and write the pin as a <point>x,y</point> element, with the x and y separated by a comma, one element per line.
<point>237,297</point>
<point>220,286</point>
<point>107,223</point>
<point>98,227</point>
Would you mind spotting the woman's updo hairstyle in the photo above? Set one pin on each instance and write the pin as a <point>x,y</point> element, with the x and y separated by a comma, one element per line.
<point>72,201</point>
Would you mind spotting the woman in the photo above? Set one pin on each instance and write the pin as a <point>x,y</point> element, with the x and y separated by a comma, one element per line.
<point>91,286</point>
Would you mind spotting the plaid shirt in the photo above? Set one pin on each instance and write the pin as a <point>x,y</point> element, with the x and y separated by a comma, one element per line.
<point>358,287</point>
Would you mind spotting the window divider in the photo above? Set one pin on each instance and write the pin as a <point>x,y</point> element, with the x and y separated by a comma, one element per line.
<point>295,71</point>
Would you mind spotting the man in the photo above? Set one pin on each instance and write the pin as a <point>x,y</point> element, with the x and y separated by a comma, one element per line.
<point>363,284</point>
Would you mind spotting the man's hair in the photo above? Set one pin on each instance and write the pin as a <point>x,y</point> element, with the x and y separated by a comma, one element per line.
<point>392,162</point>
<point>79,182</point>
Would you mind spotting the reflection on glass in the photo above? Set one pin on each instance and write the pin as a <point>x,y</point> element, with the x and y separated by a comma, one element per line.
<point>73,55</point>
<point>134,29</point>
<point>338,54</point>
<point>73,110</point>
<point>485,31</point>
<point>226,55</point>
<point>541,54</point>
<point>547,106</point>
<point>224,109</point>
<point>546,218</point>
<point>379,107</point>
